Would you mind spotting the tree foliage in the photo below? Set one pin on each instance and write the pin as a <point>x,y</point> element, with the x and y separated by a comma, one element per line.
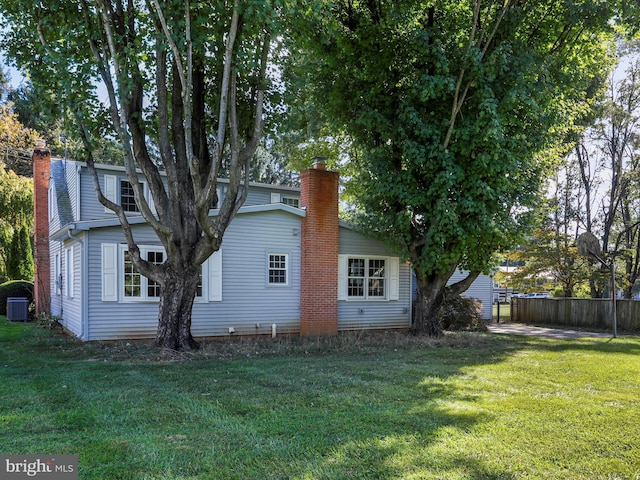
<point>16,142</point>
<point>187,83</point>
<point>16,210</point>
<point>456,110</point>
<point>20,258</point>
<point>607,160</point>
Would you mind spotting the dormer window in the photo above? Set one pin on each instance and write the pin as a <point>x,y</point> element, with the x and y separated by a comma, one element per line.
<point>290,200</point>
<point>127,197</point>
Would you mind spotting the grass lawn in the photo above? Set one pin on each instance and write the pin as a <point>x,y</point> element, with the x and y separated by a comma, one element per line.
<point>374,406</point>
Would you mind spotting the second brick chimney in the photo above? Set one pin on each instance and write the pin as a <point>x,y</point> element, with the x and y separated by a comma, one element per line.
<point>319,269</point>
<point>41,174</point>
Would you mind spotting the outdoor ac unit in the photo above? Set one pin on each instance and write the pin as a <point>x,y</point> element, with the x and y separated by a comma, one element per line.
<point>17,309</point>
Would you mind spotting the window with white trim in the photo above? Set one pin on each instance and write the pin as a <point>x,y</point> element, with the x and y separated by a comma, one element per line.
<point>292,201</point>
<point>368,278</point>
<point>135,285</point>
<point>286,199</point>
<point>278,268</point>
<point>127,197</point>
<point>132,279</point>
<point>153,287</point>
<point>120,191</point>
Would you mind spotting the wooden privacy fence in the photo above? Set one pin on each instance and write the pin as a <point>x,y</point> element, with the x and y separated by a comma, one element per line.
<point>576,312</point>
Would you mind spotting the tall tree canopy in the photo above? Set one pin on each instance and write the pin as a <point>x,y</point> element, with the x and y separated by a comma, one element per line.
<point>186,84</point>
<point>454,109</point>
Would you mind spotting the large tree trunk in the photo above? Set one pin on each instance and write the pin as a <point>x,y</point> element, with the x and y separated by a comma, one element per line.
<point>431,293</point>
<point>425,319</point>
<point>177,293</point>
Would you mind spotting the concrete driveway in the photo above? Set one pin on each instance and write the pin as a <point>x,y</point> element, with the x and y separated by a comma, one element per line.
<point>512,329</point>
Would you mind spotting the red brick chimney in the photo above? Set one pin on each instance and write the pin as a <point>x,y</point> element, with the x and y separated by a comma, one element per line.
<point>319,269</point>
<point>41,173</point>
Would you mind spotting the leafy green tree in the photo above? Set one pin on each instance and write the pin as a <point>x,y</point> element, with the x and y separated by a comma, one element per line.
<point>20,261</point>
<point>44,111</point>
<point>186,83</point>
<point>16,210</point>
<point>454,109</point>
<point>16,142</point>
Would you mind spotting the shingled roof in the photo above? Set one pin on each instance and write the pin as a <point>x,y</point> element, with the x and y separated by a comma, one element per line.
<point>63,202</point>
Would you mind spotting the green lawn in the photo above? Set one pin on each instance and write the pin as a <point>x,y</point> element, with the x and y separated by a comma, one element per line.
<point>375,406</point>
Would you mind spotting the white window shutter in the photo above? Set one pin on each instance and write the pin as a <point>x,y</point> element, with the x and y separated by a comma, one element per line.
<point>342,277</point>
<point>275,197</point>
<point>394,278</point>
<point>215,277</point>
<point>109,272</point>
<point>110,189</point>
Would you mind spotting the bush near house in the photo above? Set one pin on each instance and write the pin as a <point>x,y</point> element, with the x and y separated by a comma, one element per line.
<point>15,288</point>
<point>462,314</point>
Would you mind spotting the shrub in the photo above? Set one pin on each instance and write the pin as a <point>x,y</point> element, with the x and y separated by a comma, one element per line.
<point>15,288</point>
<point>462,314</point>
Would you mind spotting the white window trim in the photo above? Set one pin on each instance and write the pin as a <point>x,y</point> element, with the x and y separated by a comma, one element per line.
<point>144,281</point>
<point>284,198</point>
<point>288,199</point>
<point>287,270</point>
<point>391,278</point>
<point>112,192</point>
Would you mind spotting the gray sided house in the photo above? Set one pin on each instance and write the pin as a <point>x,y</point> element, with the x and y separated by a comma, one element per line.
<point>286,263</point>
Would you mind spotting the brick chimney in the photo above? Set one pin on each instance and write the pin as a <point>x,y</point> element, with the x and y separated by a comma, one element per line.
<point>41,174</point>
<point>319,269</point>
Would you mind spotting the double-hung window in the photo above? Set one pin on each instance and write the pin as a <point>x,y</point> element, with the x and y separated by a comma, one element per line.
<point>118,190</point>
<point>366,278</point>
<point>136,286</point>
<point>127,197</point>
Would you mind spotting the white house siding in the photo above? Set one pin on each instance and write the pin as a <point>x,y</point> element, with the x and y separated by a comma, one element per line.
<point>247,300</point>
<point>90,207</point>
<point>55,252</point>
<point>249,304</point>
<point>373,314</point>
<point>481,288</point>
<point>72,304</point>
<point>116,320</point>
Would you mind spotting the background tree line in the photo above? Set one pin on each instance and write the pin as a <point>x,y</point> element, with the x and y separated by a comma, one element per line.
<point>594,188</point>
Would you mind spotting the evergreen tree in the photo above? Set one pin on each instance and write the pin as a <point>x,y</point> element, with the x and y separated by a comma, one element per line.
<point>20,261</point>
